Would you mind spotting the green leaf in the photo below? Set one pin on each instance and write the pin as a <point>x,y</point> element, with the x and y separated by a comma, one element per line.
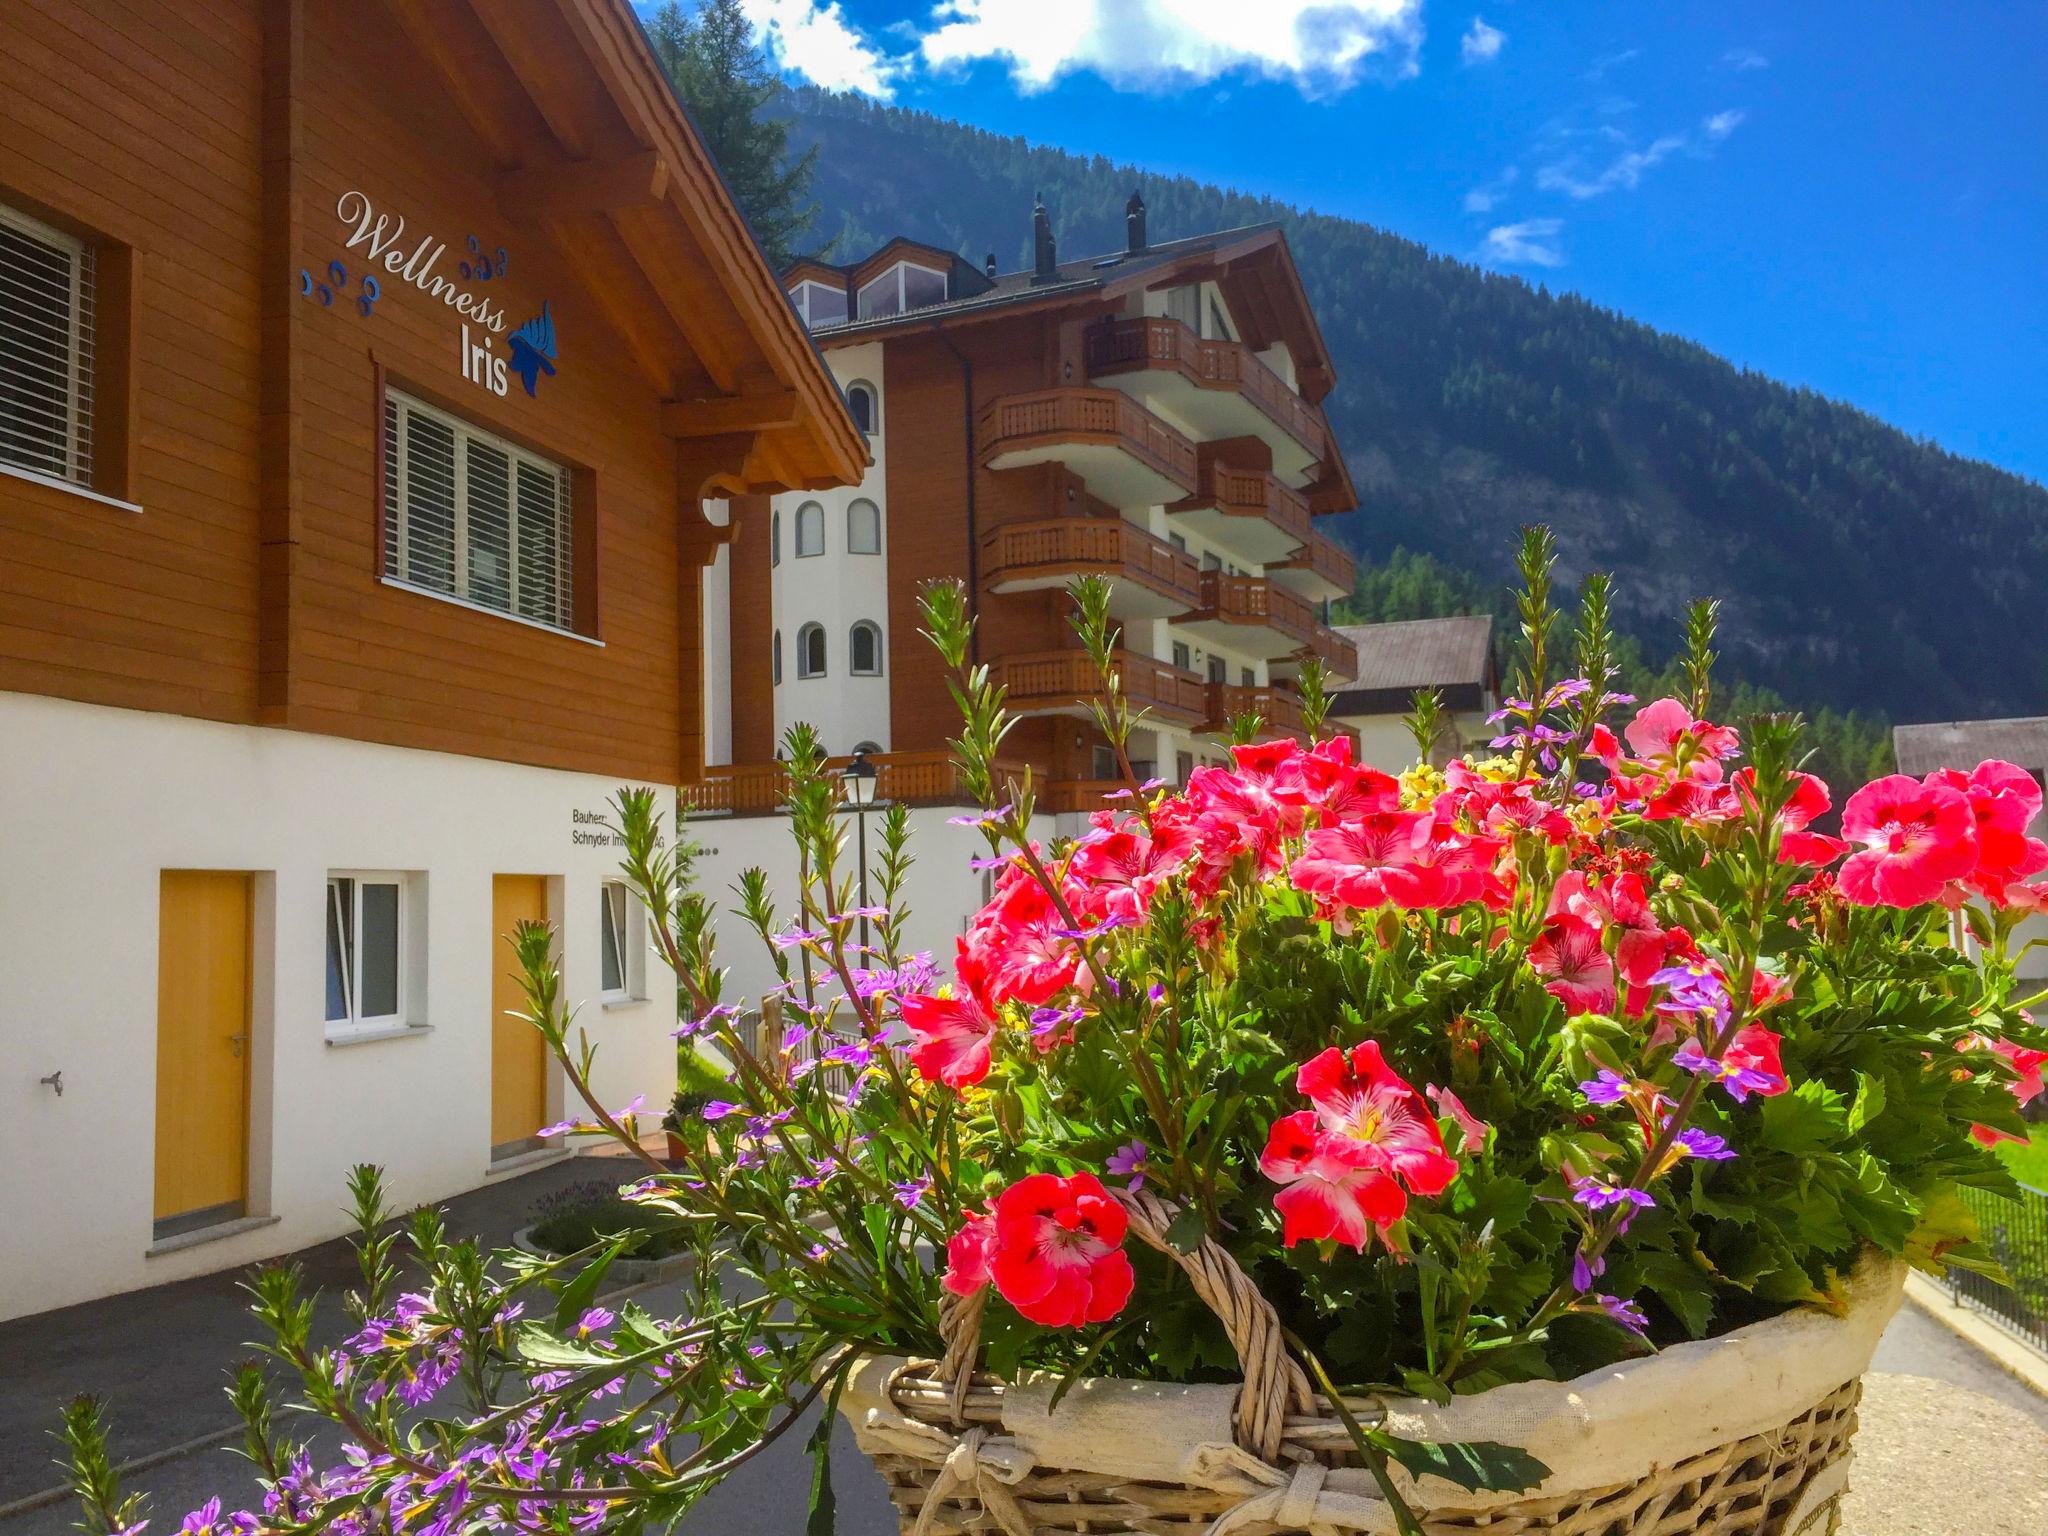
<point>540,1347</point>
<point>578,1294</point>
<point>1809,1119</point>
<point>1471,1464</point>
<point>1425,1386</point>
<point>1184,1234</point>
<point>821,1515</point>
<point>1869,1101</point>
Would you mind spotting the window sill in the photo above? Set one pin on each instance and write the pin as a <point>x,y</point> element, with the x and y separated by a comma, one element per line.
<point>204,1235</point>
<point>494,613</point>
<point>622,1000</point>
<point>69,487</point>
<point>382,1032</point>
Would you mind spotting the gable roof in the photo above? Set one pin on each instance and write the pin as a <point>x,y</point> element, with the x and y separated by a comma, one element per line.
<point>1452,655</point>
<point>1253,264</point>
<point>1965,743</point>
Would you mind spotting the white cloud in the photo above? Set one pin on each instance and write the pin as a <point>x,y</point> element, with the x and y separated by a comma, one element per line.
<point>1483,198</point>
<point>1529,243</point>
<point>1320,45</point>
<point>1745,59</point>
<point>815,40</point>
<point>1481,42</point>
<point>1626,171</point>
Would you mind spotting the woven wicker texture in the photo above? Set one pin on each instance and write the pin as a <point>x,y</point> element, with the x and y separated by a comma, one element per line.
<point>1756,1486</point>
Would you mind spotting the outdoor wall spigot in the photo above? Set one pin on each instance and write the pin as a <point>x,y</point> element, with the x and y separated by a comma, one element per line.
<point>54,1080</point>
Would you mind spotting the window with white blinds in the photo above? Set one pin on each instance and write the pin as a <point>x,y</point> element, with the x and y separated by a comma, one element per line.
<point>46,345</point>
<point>475,518</point>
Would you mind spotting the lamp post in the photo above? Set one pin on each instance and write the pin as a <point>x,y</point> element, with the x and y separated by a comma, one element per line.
<point>857,783</point>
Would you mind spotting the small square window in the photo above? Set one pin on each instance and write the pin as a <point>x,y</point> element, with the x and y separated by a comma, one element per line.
<point>370,968</point>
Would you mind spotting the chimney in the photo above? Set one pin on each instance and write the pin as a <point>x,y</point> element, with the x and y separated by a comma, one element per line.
<point>1134,223</point>
<point>988,267</point>
<point>1044,255</point>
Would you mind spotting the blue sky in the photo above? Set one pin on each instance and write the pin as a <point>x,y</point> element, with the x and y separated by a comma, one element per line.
<point>1848,196</point>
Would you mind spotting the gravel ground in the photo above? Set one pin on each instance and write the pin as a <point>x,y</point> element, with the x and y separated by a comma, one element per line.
<point>1934,1459</point>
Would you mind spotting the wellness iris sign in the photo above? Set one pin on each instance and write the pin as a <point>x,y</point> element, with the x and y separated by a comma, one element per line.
<point>378,239</point>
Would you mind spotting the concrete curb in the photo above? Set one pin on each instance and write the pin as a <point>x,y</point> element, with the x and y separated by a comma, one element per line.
<point>2020,1361</point>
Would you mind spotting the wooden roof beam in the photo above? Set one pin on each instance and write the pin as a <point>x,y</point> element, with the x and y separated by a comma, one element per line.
<point>730,413</point>
<point>540,51</point>
<point>679,274</point>
<point>568,188</point>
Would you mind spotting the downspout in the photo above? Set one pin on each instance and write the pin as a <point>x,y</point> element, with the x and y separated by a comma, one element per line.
<point>973,535</point>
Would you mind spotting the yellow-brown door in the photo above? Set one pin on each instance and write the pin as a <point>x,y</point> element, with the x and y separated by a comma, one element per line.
<point>519,1059</point>
<point>202,1049</point>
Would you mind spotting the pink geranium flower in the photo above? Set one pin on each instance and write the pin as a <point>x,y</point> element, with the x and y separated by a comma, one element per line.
<point>1121,866</point>
<point>1911,839</point>
<point>1019,946</point>
<point>2027,1065</point>
<point>970,1253</point>
<point>1360,1099</point>
<point>954,1034</point>
<point>1571,957</point>
<point>1365,863</point>
<point>1058,1255</point>
<point>1332,1188</point>
<point>2003,800</point>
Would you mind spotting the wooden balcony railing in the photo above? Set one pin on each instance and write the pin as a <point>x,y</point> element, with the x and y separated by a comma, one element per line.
<point>1077,415</point>
<point>1325,558</point>
<point>1338,655</point>
<point>1250,493</point>
<point>1086,795</point>
<point>1047,680</point>
<point>753,789</point>
<point>1255,600</point>
<point>1073,546</point>
<point>1119,346</point>
<point>1279,708</point>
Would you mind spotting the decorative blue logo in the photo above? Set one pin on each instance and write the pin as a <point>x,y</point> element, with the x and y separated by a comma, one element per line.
<point>533,348</point>
<point>337,282</point>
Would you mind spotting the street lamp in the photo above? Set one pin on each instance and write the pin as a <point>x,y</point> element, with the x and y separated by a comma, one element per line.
<point>857,782</point>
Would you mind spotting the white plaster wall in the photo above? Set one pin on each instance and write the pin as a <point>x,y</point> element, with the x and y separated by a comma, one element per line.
<point>1384,740</point>
<point>837,589</point>
<point>943,891</point>
<point>715,644</point>
<point>94,804</point>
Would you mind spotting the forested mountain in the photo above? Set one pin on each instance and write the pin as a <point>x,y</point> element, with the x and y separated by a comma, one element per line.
<point>1858,567</point>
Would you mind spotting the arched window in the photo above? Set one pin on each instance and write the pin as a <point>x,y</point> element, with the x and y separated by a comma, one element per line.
<point>863,528</point>
<point>864,650</point>
<point>864,407</point>
<point>810,651</point>
<point>871,748</point>
<point>775,658</point>
<point>775,538</point>
<point>810,529</point>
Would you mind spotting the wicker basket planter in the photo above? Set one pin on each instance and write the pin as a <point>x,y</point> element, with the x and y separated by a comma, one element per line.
<point>1746,1434</point>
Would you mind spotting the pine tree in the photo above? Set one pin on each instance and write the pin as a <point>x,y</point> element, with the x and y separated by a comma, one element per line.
<point>725,80</point>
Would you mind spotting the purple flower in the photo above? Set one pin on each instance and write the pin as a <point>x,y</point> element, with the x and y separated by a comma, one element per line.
<point>596,1320</point>
<point>1700,1144</point>
<point>1610,1087</point>
<point>1048,1023</point>
<point>794,937</point>
<point>1691,990</point>
<point>1626,1313</point>
<point>1128,1162</point>
<point>1595,1195</point>
<point>1690,1058</point>
<point>1586,1270</point>
<point>718,1109</point>
<point>563,1127</point>
<point>992,818</point>
<point>910,1191</point>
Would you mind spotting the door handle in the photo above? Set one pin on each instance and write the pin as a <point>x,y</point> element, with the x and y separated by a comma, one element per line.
<point>236,1042</point>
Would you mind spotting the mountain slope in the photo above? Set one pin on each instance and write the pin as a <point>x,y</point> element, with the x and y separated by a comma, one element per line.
<point>1858,566</point>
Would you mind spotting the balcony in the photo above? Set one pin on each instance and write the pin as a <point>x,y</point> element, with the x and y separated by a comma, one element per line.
<point>1247,511</point>
<point>1259,617</point>
<point>1320,570</point>
<point>756,789</point>
<point>1127,456</point>
<point>1278,708</point>
<point>1065,683</point>
<point>1219,388</point>
<point>1150,578</point>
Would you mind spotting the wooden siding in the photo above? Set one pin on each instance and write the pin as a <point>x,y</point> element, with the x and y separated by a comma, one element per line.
<point>213,143</point>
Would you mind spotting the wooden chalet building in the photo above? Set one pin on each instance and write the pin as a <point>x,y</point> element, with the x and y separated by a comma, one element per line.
<point>364,367</point>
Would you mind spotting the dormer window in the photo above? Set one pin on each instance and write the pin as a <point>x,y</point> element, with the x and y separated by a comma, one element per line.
<point>820,304</point>
<point>903,287</point>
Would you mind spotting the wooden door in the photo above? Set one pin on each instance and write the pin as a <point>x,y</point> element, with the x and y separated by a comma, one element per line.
<point>519,1056</point>
<point>202,1049</point>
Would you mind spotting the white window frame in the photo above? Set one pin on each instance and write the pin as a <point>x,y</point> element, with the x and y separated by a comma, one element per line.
<point>803,302</point>
<point>862,387</point>
<point>775,660</point>
<point>356,1024</point>
<point>894,277</point>
<point>852,649</point>
<point>398,531</point>
<point>817,507</point>
<point>803,653</point>
<point>774,539</point>
<point>78,360</point>
<point>623,919</point>
<point>873,506</point>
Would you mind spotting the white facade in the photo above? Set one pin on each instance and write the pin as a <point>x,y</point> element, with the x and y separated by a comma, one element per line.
<point>835,589</point>
<point>98,803</point>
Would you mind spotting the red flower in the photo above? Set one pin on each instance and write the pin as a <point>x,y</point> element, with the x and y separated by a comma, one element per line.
<point>1570,953</point>
<point>1017,946</point>
<point>954,1034</point>
<point>969,1253</point>
<point>1058,1255</point>
<point>1754,1054</point>
<point>1366,863</point>
<point>1120,866</point>
<point>2027,1065</point>
<point>1810,801</point>
<point>1913,839</point>
<point>1332,1189</point>
<point>2003,799</point>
